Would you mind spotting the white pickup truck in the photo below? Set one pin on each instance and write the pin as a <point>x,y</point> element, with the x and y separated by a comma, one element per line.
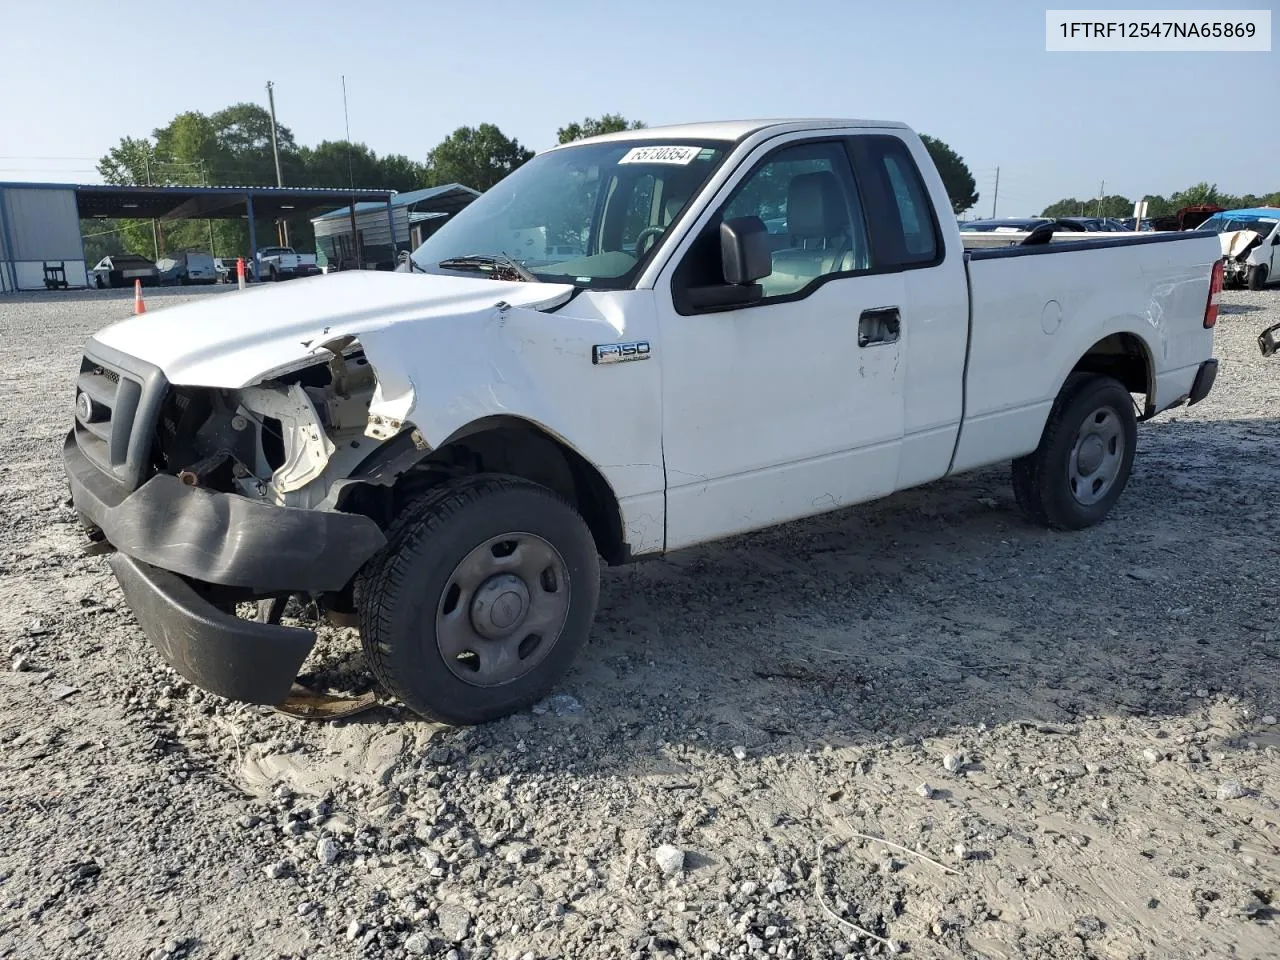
<point>277,263</point>
<point>607,355</point>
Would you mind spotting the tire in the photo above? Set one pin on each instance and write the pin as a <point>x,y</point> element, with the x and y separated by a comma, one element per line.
<point>438,604</point>
<point>1077,473</point>
<point>1257,277</point>
<point>275,275</point>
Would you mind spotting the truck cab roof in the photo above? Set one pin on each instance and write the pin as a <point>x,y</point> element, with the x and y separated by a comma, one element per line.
<point>732,130</point>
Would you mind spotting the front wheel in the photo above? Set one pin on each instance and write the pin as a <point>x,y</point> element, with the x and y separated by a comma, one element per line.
<point>1077,473</point>
<point>1257,277</point>
<point>481,599</point>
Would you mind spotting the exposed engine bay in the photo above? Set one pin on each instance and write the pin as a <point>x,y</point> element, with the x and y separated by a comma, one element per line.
<point>274,440</point>
<point>1236,247</point>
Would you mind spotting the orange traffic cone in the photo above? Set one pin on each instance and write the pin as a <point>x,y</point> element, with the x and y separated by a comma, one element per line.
<point>138,305</point>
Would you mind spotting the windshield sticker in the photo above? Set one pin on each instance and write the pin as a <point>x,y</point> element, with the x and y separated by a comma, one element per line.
<point>678,155</point>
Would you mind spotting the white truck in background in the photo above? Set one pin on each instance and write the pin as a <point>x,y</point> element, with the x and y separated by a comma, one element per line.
<point>443,454</point>
<point>277,263</point>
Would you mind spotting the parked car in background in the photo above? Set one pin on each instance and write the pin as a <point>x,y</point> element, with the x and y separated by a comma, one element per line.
<point>122,269</point>
<point>277,263</point>
<point>1016,225</point>
<point>1186,218</point>
<point>1250,242</point>
<point>188,266</point>
<point>307,265</point>
<point>1098,224</point>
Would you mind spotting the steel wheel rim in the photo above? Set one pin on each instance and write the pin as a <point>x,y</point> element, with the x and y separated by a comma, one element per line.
<point>1096,456</point>
<point>502,609</point>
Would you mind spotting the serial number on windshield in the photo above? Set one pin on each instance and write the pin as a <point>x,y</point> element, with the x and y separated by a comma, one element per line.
<point>1150,31</point>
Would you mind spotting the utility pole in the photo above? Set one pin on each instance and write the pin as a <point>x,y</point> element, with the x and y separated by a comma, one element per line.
<point>1102,190</point>
<point>996,195</point>
<point>204,176</point>
<point>351,176</point>
<point>155,234</point>
<point>282,228</point>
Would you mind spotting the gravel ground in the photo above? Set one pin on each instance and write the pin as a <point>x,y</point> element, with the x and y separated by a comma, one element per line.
<point>1067,743</point>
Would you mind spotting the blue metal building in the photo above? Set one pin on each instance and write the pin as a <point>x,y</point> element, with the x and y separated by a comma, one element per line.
<point>40,222</point>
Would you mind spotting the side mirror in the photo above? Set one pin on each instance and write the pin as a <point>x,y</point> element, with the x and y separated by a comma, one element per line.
<point>1275,241</point>
<point>744,250</point>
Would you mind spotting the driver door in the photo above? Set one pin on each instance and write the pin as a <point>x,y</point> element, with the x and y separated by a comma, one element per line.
<point>791,405</point>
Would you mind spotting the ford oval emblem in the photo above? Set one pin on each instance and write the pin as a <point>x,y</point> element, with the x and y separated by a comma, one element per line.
<point>84,407</point>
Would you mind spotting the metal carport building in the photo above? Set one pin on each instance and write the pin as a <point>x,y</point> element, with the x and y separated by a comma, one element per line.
<point>40,222</point>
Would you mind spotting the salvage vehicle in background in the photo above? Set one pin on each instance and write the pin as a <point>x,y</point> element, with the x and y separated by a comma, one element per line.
<point>1185,218</point>
<point>1250,241</point>
<point>122,269</point>
<point>423,452</point>
<point>186,267</point>
<point>1019,225</point>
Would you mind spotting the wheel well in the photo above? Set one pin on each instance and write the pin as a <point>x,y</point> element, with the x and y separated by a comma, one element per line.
<point>1123,356</point>
<point>518,448</point>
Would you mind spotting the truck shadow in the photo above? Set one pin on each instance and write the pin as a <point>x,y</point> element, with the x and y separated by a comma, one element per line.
<point>932,611</point>
<point>941,607</point>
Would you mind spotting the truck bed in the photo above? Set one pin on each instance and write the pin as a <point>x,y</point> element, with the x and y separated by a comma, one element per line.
<point>1035,310</point>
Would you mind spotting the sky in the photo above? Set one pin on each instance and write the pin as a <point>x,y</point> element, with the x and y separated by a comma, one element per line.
<point>973,74</point>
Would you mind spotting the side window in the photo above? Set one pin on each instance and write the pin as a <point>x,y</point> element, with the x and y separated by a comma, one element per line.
<point>911,218</point>
<point>806,197</point>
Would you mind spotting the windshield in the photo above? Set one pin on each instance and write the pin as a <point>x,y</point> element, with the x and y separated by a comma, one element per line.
<point>590,214</point>
<point>1227,224</point>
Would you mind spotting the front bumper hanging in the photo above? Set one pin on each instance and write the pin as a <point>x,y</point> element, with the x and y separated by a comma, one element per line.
<point>217,651</point>
<point>172,539</point>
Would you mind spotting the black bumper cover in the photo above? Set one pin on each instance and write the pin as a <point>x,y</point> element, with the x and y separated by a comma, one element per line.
<point>220,537</point>
<point>1203,382</point>
<point>166,531</point>
<point>234,658</point>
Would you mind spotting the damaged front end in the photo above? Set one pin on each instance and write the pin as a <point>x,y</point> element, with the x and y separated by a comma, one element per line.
<point>1237,245</point>
<point>283,440</point>
<point>211,497</point>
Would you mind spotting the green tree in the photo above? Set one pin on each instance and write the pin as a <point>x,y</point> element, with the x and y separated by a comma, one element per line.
<point>476,157</point>
<point>1199,194</point>
<point>962,190</point>
<point>335,163</point>
<point>1070,207</point>
<point>594,126</point>
<point>1158,206</point>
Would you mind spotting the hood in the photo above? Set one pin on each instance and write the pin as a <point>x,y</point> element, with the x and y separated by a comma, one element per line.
<point>1236,243</point>
<point>233,339</point>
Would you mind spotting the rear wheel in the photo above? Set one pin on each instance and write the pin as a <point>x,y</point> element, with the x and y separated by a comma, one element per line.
<point>1257,277</point>
<point>481,600</point>
<point>1077,473</point>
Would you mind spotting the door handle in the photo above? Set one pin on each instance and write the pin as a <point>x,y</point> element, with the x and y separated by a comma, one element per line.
<point>879,325</point>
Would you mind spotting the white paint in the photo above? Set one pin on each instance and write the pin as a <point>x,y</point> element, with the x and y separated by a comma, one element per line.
<point>762,414</point>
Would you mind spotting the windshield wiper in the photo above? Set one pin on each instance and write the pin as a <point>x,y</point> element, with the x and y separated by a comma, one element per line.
<point>501,265</point>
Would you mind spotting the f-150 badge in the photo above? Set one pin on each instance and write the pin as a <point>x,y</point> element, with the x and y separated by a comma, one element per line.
<point>620,352</point>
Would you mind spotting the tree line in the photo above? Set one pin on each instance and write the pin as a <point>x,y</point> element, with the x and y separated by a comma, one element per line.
<point>1115,205</point>
<point>232,147</point>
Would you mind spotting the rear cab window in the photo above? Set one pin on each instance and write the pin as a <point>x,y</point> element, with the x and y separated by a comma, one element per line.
<point>905,228</point>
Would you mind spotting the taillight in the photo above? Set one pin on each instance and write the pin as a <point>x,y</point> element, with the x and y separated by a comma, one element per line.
<point>1215,290</point>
